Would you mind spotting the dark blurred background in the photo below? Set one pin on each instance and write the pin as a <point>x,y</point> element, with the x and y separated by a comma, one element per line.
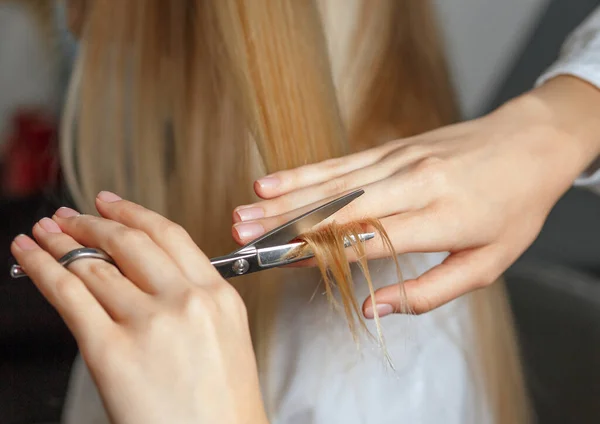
<point>554,288</point>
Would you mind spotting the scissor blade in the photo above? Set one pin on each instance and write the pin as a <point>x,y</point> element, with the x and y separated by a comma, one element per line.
<point>303,223</point>
<point>270,257</point>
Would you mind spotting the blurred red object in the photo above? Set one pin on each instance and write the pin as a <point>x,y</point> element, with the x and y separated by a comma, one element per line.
<point>30,159</point>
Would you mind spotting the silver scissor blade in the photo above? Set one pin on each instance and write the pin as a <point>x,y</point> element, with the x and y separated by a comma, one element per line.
<point>303,223</point>
<point>270,257</point>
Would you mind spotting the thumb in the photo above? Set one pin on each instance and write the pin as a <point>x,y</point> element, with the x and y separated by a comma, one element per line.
<point>459,274</point>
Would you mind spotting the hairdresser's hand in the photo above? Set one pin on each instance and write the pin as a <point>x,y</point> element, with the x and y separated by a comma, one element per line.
<point>480,190</point>
<point>166,340</point>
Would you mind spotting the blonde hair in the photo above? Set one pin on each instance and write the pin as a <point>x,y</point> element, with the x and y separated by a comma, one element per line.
<point>329,247</point>
<point>179,105</point>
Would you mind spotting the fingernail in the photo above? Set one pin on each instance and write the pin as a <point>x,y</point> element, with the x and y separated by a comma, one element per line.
<point>24,242</point>
<point>268,182</point>
<point>249,213</point>
<point>249,231</point>
<point>65,212</point>
<point>382,310</point>
<point>50,226</point>
<point>108,197</point>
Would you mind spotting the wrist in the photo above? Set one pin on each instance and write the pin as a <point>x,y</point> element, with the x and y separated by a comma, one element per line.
<point>554,130</point>
<point>569,107</point>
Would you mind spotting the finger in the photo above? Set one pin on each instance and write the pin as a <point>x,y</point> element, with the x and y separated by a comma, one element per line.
<point>431,229</point>
<point>424,230</point>
<point>318,193</point>
<point>397,194</point>
<point>416,231</point>
<point>459,274</point>
<point>117,295</point>
<point>286,181</point>
<point>136,255</point>
<point>81,312</point>
<point>404,165</point>
<point>170,237</point>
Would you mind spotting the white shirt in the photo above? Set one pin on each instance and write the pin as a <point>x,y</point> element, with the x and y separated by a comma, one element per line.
<point>580,57</point>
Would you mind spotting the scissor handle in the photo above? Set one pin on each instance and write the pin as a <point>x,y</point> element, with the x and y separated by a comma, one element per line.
<point>240,263</point>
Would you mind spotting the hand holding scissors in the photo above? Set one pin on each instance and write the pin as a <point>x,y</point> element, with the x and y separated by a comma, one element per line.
<point>274,249</point>
<point>137,324</point>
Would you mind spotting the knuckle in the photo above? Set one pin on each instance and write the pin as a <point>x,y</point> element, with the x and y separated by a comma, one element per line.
<point>103,270</point>
<point>434,173</point>
<point>449,212</point>
<point>335,186</point>
<point>79,225</point>
<point>129,212</point>
<point>330,165</point>
<point>429,164</point>
<point>125,236</point>
<point>230,304</point>
<point>159,323</point>
<point>196,303</point>
<point>67,288</point>
<point>210,305</point>
<point>171,230</point>
<point>228,297</point>
<point>421,305</point>
<point>412,151</point>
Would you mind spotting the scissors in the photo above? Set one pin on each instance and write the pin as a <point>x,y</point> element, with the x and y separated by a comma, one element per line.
<point>274,249</point>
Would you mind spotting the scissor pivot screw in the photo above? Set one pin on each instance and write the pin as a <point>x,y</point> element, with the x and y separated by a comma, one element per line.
<point>241,266</point>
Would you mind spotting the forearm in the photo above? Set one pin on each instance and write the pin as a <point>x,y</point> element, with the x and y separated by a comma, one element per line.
<point>561,118</point>
<point>574,100</point>
<point>572,108</point>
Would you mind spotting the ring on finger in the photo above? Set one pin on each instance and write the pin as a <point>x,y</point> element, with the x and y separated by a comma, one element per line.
<point>70,257</point>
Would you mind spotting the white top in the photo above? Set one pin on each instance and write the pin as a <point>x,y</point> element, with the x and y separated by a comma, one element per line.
<point>318,375</point>
<point>580,57</point>
<point>322,378</point>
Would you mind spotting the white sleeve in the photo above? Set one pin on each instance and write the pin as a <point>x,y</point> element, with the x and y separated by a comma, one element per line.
<point>580,57</point>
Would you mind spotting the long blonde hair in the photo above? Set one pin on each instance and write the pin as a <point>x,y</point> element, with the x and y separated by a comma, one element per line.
<point>179,105</point>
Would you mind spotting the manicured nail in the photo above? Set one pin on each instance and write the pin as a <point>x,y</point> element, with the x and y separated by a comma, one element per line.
<point>108,197</point>
<point>50,226</point>
<point>268,182</point>
<point>65,212</point>
<point>249,213</point>
<point>382,310</point>
<point>249,231</point>
<point>24,242</point>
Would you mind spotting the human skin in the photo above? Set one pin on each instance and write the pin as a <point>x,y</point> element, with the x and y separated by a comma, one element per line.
<point>166,339</point>
<point>480,189</point>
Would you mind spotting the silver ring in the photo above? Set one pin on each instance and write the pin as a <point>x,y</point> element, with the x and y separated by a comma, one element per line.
<point>84,253</point>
